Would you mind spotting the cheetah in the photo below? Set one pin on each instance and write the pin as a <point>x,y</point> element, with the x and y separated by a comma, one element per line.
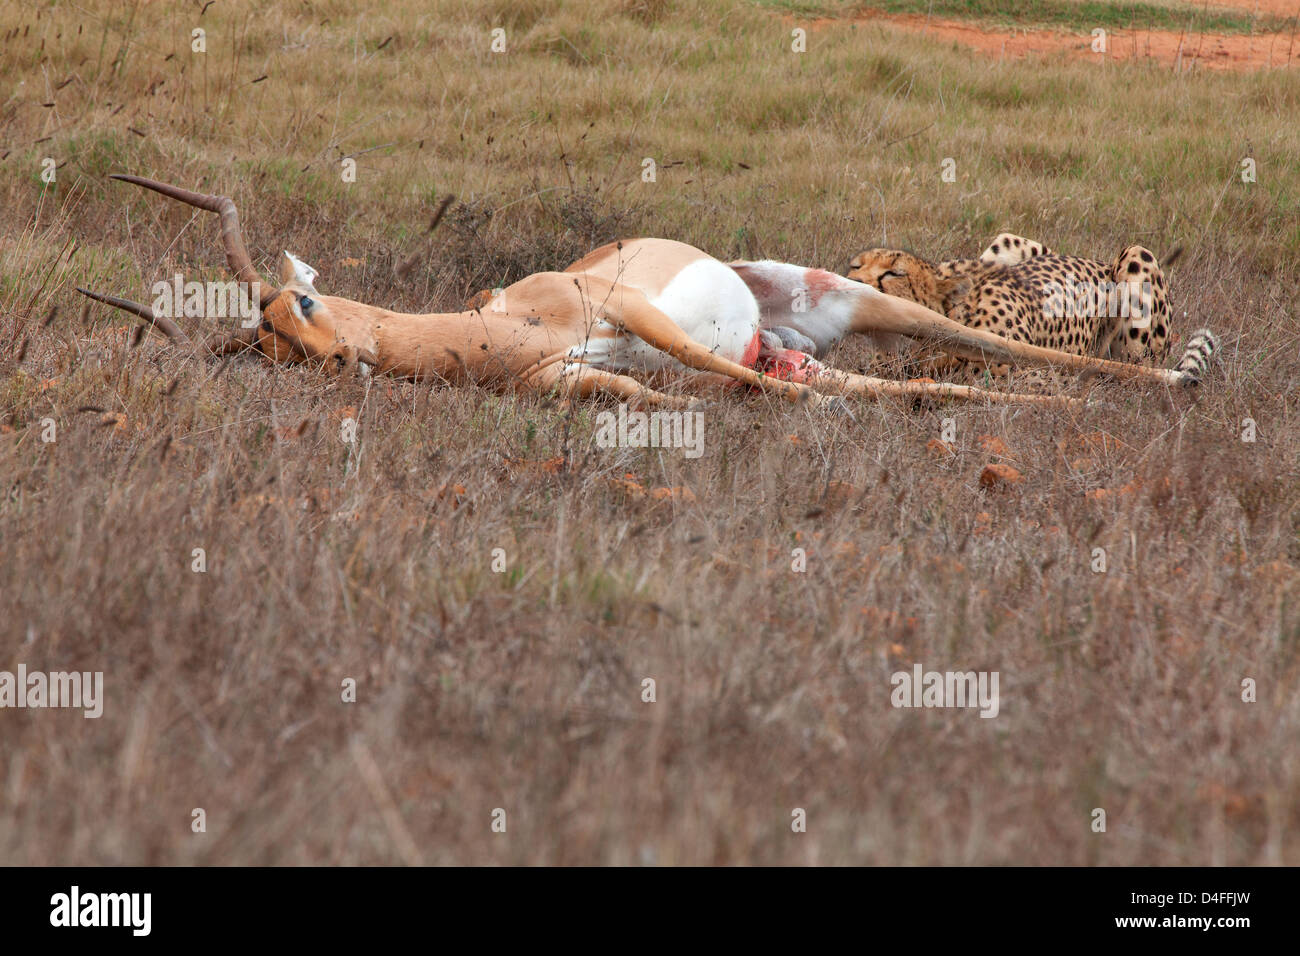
<point>1020,289</point>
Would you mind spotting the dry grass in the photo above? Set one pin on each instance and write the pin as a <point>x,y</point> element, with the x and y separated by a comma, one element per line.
<point>522,690</point>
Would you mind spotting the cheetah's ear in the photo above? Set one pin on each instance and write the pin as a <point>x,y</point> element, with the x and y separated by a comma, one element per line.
<point>951,290</point>
<point>953,285</point>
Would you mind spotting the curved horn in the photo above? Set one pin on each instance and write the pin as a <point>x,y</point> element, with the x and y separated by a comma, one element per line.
<point>223,344</point>
<point>163,324</point>
<point>231,236</point>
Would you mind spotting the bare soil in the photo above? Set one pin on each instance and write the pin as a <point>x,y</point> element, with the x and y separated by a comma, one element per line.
<point>1181,50</point>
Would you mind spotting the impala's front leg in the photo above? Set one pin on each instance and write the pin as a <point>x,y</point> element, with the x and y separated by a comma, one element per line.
<point>576,380</point>
<point>847,383</point>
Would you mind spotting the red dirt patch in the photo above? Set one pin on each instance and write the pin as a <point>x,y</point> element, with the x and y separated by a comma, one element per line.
<point>1184,51</point>
<point>1264,8</point>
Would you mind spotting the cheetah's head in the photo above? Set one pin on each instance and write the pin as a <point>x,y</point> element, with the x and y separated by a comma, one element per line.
<point>900,273</point>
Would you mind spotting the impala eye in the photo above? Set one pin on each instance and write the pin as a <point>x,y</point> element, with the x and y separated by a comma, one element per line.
<point>305,303</point>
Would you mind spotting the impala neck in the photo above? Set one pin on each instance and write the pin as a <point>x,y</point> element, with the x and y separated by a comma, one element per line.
<point>475,346</point>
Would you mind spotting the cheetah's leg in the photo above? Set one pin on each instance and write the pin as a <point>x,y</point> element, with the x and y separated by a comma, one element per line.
<point>959,268</point>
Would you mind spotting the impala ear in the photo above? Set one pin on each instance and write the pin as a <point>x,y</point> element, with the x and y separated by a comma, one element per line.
<point>294,270</point>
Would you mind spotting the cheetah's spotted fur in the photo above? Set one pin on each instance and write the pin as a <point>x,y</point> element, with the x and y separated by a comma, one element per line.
<point>1017,288</point>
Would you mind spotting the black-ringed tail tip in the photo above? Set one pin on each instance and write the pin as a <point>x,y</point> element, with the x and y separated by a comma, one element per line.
<point>1195,363</point>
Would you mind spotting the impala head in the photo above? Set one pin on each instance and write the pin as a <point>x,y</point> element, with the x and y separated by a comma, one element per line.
<point>298,323</point>
<point>295,324</point>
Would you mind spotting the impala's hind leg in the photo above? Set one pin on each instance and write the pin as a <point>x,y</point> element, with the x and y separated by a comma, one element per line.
<point>838,306</point>
<point>878,387</point>
<point>876,312</point>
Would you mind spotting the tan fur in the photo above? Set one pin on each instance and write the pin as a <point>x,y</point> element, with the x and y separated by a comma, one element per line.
<point>546,315</point>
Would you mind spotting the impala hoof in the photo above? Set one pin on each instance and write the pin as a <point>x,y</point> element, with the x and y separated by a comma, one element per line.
<point>792,339</point>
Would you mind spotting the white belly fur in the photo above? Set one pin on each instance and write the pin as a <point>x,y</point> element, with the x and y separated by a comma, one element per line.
<point>817,303</point>
<point>707,300</point>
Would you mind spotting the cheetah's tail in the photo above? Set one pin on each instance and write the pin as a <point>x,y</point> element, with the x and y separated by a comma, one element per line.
<point>1195,363</point>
